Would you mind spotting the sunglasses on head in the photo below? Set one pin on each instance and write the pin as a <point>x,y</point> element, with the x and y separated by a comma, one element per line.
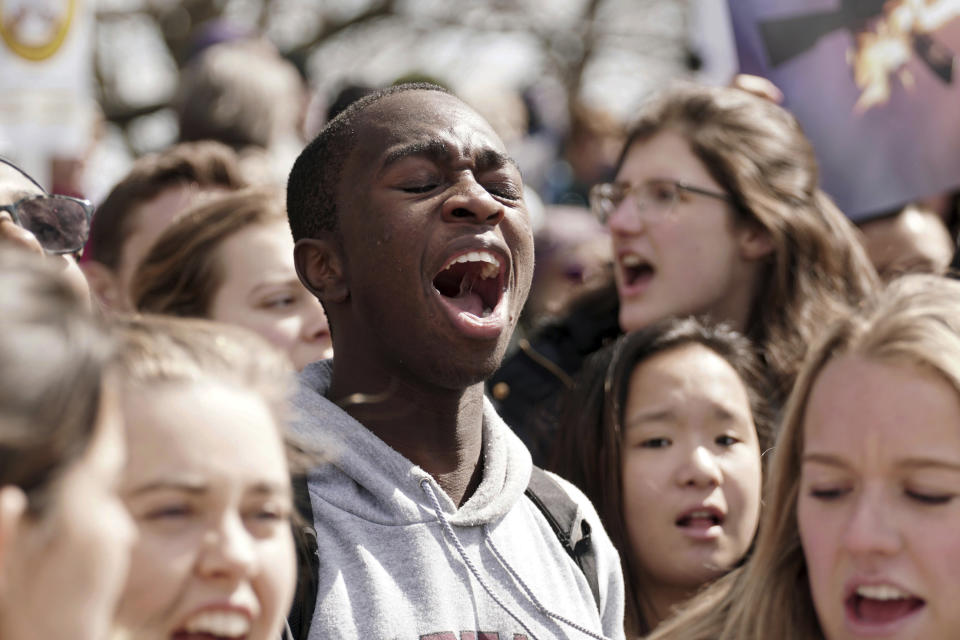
<point>61,224</point>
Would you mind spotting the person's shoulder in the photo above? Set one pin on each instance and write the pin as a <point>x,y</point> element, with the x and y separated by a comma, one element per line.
<point>575,494</point>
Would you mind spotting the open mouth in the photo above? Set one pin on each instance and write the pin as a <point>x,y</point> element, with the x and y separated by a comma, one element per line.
<point>700,519</point>
<point>215,625</point>
<point>881,604</point>
<point>635,269</point>
<point>472,283</point>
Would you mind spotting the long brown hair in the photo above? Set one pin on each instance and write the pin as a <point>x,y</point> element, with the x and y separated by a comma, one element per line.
<point>588,450</point>
<point>915,321</point>
<point>182,272</point>
<point>758,153</point>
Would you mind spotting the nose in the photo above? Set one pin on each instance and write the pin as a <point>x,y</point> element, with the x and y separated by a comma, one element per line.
<point>227,550</point>
<point>625,219</point>
<point>870,530</point>
<point>699,469</point>
<point>471,203</point>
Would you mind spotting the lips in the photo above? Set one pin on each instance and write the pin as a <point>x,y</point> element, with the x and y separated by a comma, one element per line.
<point>636,270</point>
<point>701,521</point>
<point>879,606</point>
<point>471,286</point>
<point>215,625</point>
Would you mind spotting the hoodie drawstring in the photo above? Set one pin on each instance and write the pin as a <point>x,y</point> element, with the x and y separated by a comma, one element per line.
<point>533,598</point>
<point>425,485</point>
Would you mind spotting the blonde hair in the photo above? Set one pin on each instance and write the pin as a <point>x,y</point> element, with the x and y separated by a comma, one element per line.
<point>164,350</point>
<point>916,321</point>
<point>758,153</point>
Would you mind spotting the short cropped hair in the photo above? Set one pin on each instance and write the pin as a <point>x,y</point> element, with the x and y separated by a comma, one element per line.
<point>315,177</point>
<point>207,164</point>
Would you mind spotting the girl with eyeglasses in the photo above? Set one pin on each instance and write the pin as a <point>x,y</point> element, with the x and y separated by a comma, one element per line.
<point>716,210</point>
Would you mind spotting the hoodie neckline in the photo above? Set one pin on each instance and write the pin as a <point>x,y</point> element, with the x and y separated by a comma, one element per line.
<point>387,485</point>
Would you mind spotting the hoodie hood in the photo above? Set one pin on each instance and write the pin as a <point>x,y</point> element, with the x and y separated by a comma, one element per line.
<point>378,484</point>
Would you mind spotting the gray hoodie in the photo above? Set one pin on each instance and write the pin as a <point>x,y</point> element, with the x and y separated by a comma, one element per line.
<point>399,560</point>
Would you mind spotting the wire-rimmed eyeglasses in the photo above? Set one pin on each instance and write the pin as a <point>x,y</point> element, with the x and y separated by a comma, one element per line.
<point>657,196</point>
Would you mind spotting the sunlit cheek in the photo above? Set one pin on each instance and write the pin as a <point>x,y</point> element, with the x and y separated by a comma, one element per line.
<point>278,577</point>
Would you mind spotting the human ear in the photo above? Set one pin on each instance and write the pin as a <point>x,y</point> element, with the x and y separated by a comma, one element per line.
<point>755,242</point>
<point>104,285</point>
<point>13,506</point>
<point>320,267</point>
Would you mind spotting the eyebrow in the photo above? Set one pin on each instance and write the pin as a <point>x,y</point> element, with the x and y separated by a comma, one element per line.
<point>185,486</point>
<point>655,415</point>
<point>271,284</point>
<point>437,150</point>
<point>907,463</point>
<point>198,488</point>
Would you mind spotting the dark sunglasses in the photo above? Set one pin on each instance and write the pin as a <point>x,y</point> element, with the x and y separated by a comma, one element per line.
<point>61,224</point>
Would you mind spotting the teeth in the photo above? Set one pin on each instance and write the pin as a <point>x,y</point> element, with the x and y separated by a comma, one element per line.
<point>491,267</point>
<point>631,260</point>
<point>229,624</point>
<point>882,592</point>
<point>701,514</point>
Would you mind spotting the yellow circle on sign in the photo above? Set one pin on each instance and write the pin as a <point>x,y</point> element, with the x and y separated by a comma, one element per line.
<point>41,50</point>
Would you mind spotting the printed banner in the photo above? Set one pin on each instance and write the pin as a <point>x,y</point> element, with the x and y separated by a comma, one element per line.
<point>46,78</point>
<point>875,85</point>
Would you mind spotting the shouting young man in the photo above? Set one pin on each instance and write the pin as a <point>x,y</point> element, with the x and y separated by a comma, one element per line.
<point>412,230</point>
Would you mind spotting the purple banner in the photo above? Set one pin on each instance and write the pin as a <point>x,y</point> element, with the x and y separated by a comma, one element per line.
<point>875,84</point>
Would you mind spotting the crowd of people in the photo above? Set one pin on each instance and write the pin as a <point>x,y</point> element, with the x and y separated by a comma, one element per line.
<point>378,399</point>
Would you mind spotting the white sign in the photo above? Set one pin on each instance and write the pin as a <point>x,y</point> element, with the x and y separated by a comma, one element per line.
<point>46,77</point>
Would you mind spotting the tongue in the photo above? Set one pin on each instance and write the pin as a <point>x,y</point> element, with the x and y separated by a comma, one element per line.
<point>882,611</point>
<point>468,302</point>
<point>466,299</point>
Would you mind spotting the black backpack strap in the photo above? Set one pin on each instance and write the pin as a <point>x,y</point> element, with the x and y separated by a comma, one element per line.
<point>308,561</point>
<point>564,517</point>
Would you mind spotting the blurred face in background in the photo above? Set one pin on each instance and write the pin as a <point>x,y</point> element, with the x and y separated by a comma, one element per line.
<point>148,222</point>
<point>261,292</point>
<point>691,473</point>
<point>914,240</point>
<point>208,486</point>
<point>878,508</point>
<point>15,186</point>
<point>677,252</point>
<point>573,258</point>
<point>62,570</point>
